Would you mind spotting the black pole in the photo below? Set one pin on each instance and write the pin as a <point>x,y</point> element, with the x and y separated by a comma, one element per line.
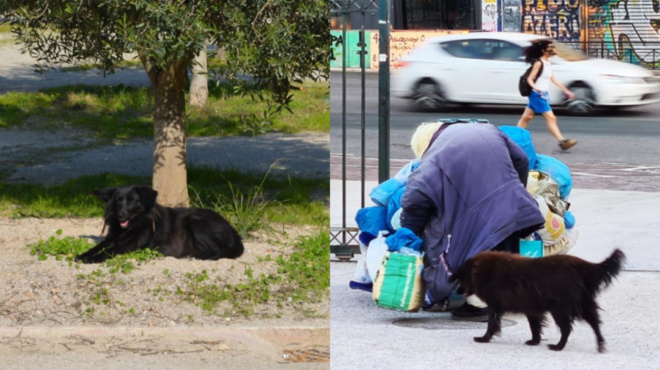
<point>343,120</point>
<point>363,109</point>
<point>384,91</point>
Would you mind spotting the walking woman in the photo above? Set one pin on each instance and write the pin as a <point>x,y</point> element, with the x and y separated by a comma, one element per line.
<point>538,54</point>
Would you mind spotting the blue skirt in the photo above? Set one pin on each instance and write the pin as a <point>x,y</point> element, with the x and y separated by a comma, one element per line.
<point>539,103</point>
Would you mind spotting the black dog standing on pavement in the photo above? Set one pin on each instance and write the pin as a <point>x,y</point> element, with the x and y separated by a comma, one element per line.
<point>565,286</point>
<point>136,221</point>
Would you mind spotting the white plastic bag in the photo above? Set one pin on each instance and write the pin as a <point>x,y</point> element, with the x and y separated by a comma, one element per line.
<point>375,254</point>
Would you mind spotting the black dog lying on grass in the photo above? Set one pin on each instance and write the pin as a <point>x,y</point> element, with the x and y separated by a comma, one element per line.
<point>565,286</point>
<point>136,221</point>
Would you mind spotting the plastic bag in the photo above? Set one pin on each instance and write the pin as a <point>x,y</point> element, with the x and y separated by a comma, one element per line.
<point>375,252</point>
<point>558,171</point>
<point>540,183</point>
<point>398,284</point>
<point>554,224</point>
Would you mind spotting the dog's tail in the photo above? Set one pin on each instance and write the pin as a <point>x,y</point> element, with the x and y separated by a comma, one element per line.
<point>610,268</point>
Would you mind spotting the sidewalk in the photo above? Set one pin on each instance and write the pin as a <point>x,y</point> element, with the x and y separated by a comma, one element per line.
<point>363,335</point>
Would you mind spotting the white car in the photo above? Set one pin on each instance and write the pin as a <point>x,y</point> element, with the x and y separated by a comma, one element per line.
<point>485,67</point>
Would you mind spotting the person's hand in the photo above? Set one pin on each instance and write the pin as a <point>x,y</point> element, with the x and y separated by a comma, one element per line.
<point>570,95</point>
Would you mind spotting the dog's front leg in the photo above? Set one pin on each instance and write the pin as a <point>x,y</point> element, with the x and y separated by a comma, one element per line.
<point>563,320</point>
<point>494,319</point>
<point>536,322</point>
<point>96,254</point>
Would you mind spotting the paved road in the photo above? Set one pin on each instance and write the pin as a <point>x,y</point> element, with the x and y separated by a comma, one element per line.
<point>616,149</point>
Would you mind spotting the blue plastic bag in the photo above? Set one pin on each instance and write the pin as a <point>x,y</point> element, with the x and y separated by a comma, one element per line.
<point>382,193</point>
<point>371,219</point>
<point>523,138</point>
<point>393,206</point>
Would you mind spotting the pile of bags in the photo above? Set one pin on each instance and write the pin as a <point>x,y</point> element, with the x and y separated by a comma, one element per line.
<point>549,183</point>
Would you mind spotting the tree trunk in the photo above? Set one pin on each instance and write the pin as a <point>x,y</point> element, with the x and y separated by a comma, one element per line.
<point>199,86</point>
<point>169,160</point>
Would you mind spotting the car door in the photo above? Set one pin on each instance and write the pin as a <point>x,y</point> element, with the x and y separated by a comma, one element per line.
<point>505,66</point>
<point>465,72</point>
<point>485,71</point>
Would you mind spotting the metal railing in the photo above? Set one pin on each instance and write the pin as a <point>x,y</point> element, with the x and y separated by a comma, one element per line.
<point>645,54</point>
<point>344,239</point>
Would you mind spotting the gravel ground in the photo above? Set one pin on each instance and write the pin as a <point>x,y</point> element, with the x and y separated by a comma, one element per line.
<point>53,293</point>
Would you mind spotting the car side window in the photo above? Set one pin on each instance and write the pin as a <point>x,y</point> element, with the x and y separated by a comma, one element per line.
<point>464,49</point>
<point>483,49</point>
<point>502,50</point>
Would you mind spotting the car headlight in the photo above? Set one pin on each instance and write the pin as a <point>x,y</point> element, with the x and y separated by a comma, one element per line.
<point>624,80</point>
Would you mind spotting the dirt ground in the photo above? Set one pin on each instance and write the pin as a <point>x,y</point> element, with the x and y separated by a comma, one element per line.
<point>53,293</point>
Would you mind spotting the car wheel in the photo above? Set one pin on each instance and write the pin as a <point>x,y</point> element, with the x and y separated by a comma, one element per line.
<point>584,102</point>
<point>428,96</point>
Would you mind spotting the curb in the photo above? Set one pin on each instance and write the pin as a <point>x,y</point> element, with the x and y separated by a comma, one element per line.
<point>277,336</point>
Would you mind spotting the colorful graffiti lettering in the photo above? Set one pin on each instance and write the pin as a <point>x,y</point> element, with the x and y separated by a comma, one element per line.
<point>633,24</point>
<point>336,41</point>
<point>402,43</point>
<point>626,29</point>
<point>559,19</point>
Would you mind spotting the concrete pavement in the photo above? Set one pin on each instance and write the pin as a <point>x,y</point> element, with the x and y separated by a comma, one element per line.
<point>365,336</point>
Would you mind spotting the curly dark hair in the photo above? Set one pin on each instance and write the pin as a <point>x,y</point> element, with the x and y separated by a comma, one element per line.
<point>535,50</point>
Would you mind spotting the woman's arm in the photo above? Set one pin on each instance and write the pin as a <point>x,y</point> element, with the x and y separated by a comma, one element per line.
<point>536,67</point>
<point>563,88</point>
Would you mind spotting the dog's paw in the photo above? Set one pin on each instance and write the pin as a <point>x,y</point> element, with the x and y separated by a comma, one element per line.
<point>601,348</point>
<point>86,259</point>
<point>555,347</point>
<point>533,342</point>
<point>483,339</point>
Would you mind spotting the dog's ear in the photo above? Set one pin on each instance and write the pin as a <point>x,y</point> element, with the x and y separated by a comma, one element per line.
<point>105,194</point>
<point>147,196</point>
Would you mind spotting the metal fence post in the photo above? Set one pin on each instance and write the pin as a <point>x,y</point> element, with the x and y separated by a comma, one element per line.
<point>384,91</point>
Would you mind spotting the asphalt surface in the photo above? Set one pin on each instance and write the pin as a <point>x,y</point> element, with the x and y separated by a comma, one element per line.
<point>626,137</point>
<point>53,157</point>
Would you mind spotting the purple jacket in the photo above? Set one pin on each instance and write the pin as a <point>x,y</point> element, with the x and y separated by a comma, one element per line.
<point>468,191</point>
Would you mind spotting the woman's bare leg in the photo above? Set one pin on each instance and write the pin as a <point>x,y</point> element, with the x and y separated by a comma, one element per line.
<point>527,116</point>
<point>551,120</point>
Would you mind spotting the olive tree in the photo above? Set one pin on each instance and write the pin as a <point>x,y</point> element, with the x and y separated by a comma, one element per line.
<point>275,42</point>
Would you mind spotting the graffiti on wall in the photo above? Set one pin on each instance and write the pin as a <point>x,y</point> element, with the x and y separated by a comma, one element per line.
<point>559,19</point>
<point>512,16</point>
<point>489,15</point>
<point>402,43</point>
<point>353,49</point>
<point>627,30</point>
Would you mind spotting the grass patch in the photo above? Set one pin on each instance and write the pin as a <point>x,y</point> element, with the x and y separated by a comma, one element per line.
<point>68,248</point>
<point>61,248</point>
<point>70,199</point>
<point>236,195</point>
<point>303,276</point>
<point>5,28</point>
<point>122,112</point>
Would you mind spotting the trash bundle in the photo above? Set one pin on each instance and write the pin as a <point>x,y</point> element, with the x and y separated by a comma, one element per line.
<point>550,184</point>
